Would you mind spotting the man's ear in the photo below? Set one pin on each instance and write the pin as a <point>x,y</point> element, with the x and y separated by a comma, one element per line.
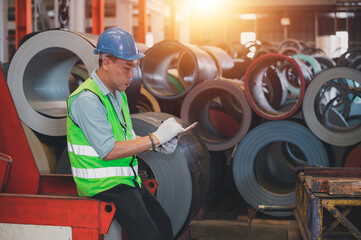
<point>106,63</point>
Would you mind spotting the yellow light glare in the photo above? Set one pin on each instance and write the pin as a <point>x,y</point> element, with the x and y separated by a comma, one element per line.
<point>247,16</point>
<point>205,5</point>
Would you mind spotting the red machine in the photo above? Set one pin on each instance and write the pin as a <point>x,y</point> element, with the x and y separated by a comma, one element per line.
<point>32,200</point>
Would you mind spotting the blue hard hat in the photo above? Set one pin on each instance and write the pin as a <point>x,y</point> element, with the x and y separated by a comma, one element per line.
<point>118,42</point>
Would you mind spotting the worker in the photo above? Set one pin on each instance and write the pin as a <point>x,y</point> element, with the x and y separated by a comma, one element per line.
<point>102,145</point>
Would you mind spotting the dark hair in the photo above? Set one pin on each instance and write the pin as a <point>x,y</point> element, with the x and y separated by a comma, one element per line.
<point>110,56</point>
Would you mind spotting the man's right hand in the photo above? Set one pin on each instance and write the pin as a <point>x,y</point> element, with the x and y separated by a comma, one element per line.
<point>168,130</point>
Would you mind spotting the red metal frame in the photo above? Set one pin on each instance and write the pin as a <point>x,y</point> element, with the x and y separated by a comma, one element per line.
<point>23,20</point>
<point>24,175</point>
<point>87,217</point>
<point>31,198</point>
<point>142,20</point>
<point>5,165</point>
<point>97,16</point>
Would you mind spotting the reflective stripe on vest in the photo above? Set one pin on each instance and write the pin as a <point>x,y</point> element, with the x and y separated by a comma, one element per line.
<point>103,172</point>
<point>82,150</point>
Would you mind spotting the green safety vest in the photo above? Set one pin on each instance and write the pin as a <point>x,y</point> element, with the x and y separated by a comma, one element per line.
<point>91,173</point>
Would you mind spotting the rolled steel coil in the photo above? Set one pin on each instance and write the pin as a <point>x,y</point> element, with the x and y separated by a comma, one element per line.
<point>353,159</point>
<point>334,90</point>
<point>183,177</point>
<point>192,63</point>
<point>239,69</point>
<point>263,50</point>
<point>203,97</point>
<point>290,43</point>
<point>147,102</point>
<point>44,155</point>
<point>289,51</point>
<point>324,61</point>
<point>263,174</point>
<point>39,75</point>
<point>310,61</point>
<point>254,86</point>
<point>39,78</point>
<point>351,58</point>
<point>223,61</point>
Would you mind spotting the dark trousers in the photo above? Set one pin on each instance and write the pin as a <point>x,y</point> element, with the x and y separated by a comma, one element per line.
<point>138,212</point>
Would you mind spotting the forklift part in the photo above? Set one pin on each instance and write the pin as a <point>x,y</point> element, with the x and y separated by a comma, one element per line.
<point>5,166</point>
<point>24,175</point>
<point>87,217</point>
<point>183,177</point>
<point>263,173</point>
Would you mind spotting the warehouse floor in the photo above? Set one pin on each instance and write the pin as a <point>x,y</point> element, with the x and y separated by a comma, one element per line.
<point>225,217</point>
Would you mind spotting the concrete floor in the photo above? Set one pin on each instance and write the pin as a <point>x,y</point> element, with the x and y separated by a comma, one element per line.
<point>225,217</point>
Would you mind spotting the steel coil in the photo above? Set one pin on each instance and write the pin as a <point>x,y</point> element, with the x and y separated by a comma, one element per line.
<point>40,77</point>
<point>216,94</point>
<point>147,102</point>
<point>310,61</point>
<point>263,174</point>
<point>291,43</point>
<point>183,177</point>
<point>223,61</point>
<point>324,61</point>
<point>254,84</point>
<point>351,58</point>
<point>353,159</point>
<point>44,155</point>
<point>334,90</point>
<point>192,63</point>
<point>289,51</point>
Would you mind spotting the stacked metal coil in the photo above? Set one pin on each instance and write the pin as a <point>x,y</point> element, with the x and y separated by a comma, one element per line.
<point>221,108</point>
<point>43,72</point>
<point>264,172</point>
<point>183,177</point>
<point>246,113</point>
<point>50,65</point>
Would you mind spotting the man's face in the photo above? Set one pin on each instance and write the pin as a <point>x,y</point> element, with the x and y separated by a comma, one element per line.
<point>121,73</point>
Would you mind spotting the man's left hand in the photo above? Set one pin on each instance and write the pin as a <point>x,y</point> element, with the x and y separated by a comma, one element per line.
<point>168,147</point>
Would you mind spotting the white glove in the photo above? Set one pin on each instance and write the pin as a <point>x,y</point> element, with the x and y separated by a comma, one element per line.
<point>168,130</point>
<point>168,147</point>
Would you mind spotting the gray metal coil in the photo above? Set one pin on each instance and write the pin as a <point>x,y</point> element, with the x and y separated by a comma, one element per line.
<point>39,75</point>
<point>183,177</point>
<point>192,63</point>
<point>269,103</point>
<point>197,104</point>
<point>263,173</point>
<point>332,97</point>
<point>223,61</point>
<point>291,43</point>
<point>324,61</point>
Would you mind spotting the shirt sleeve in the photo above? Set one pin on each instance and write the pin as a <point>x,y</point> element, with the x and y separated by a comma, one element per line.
<point>89,113</point>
